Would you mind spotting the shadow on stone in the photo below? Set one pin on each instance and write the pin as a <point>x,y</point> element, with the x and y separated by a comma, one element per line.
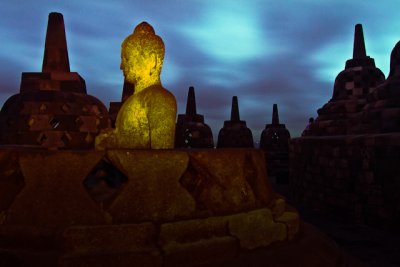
<point>11,179</point>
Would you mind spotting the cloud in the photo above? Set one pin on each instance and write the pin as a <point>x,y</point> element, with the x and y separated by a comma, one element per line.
<point>265,52</point>
<point>216,36</point>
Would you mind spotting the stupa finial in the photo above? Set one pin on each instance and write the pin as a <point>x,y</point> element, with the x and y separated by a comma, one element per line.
<point>55,51</point>
<point>235,109</point>
<point>275,115</point>
<point>359,44</point>
<point>191,102</point>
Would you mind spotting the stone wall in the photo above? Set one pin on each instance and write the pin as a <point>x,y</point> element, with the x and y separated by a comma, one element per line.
<point>353,178</point>
<point>137,207</point>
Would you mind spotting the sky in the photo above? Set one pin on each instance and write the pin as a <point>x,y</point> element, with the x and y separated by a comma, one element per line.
<point>263,51</point>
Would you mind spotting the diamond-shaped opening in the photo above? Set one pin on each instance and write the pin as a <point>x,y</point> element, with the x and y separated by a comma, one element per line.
<point>41,138</point>
<point>42,108</point>
<point>104,182</point>
<point>54,123</point>
<point>66,138</point>
<point>65,108</point>
<point>78,121</point>
<point>196,180</point>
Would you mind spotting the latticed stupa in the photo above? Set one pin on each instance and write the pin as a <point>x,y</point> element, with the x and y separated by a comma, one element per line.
<point>359,78</point>
<point>52,108</point>
<point>191,131</point>
<point>235,132</point>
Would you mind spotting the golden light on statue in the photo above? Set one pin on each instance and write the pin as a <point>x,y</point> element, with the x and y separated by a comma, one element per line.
<point>146,120</point>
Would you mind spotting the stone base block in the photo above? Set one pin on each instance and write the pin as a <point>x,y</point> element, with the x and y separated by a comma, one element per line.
<point>116,245</point>
<point>292,221</point>
<point>115,260</point>
<point>201,252</point>
<point>256,229</point>
<point>108,239</point>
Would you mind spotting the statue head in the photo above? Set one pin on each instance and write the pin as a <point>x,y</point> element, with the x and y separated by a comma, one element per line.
<point>142,55</point>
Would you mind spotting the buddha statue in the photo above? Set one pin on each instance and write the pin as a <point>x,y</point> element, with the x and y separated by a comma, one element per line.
<point>146,120</point>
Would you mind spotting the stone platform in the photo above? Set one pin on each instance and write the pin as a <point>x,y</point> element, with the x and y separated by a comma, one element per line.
<point>170,208</point>
<point>353,178</point>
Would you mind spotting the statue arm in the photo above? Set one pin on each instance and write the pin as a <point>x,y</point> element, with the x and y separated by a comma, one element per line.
<point>162,121</point>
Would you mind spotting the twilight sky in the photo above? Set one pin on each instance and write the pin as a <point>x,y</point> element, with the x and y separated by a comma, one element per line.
<point>264,51</point>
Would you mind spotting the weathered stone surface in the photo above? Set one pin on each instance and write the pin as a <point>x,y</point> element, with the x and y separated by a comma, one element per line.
<point>127,90</point>
<point>359,187</point>
<point>202,252</point>
<point>116,245</point>
<point>146,120</point>
<point>292,221</point>
<point>11,179</point>
<point>256,229</point>
<point>27,236</point>
<point>26,245</point>
<point>225,181</point>
<point>196,242</point>
<point>56,53</point>
<point>54,194</point>
<point>382,112</point>
<point>114,259</point>
<point>279,207</point>
<point>312,248</point>
<point>111,238</point>
<point>111,245</point>
<point>153,191</point>
<point>258,178</point>
<point>193,230</point>
<point>54,197</point>
<point>52,109</point>
<point>342,114</point>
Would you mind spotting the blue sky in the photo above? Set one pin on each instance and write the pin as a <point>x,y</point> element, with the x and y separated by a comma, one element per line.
<point>265,52</point>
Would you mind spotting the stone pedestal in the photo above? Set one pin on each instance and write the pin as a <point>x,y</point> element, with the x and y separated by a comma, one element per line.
<point>176,206</point>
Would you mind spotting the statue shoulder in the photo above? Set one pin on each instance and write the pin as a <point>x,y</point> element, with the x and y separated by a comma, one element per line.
<point>160,95</point>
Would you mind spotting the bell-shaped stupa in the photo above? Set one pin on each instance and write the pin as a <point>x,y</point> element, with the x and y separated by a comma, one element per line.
<point>275,144</point>
<point>235,132</point>
<point>191,131</point>
<point>53,109</point>
<point>359,78</point>
<point>382,112</point>
<point>275,134</point>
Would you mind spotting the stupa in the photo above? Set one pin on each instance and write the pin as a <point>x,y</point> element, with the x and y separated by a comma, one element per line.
<point>235,132</point>
<point>191,131</point>
<point>275,143</point>
<point>52,108</point>
<point>359,78</point>
<point>382,112</point>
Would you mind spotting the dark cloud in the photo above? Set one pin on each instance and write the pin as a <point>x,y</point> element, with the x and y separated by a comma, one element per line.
<point>10,78</point>
<point>265,52</point>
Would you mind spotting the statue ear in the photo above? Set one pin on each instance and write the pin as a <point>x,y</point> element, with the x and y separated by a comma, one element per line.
<point>154,61</point>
